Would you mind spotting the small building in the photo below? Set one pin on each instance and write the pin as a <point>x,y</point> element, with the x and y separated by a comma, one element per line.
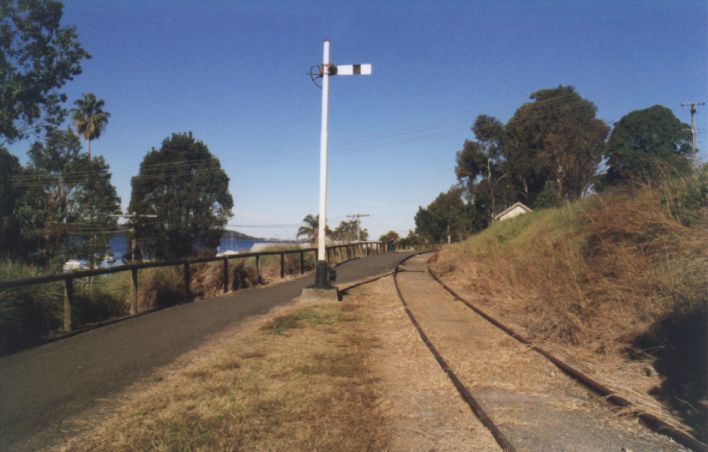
<point>512,211</point>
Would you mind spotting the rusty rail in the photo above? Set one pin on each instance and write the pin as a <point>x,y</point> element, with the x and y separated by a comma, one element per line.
<point>476,408</point>
<point>653,422</point>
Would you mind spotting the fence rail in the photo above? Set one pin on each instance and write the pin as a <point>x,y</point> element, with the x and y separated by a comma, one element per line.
<point>338,253</point>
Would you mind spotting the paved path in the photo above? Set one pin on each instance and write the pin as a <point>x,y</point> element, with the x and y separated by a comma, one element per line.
<point>41,386</point>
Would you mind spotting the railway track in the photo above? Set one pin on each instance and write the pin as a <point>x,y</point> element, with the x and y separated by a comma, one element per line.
<point>653,422</point>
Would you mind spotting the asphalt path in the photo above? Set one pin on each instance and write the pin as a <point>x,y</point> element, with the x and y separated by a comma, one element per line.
<point>42,386</point>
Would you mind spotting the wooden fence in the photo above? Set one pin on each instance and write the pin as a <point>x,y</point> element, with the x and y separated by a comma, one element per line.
<point>337,254</point>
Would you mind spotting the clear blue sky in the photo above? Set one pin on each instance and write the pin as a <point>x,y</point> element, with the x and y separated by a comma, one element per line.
<point>234,73</point>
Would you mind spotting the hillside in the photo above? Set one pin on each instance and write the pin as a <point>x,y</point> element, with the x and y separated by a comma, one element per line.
<point>236,235</point>
<point>618,281</point>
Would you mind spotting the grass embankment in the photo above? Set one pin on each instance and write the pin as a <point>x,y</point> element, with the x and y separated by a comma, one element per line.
<point>618,276</point>
<point>31,314</point>
<point>300,382</point>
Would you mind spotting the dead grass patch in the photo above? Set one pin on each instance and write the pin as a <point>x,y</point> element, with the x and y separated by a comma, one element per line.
<point>290,385</point>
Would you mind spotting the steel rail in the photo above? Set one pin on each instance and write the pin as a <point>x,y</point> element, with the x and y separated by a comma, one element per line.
<point>461,388</point>
<point>653,422</point>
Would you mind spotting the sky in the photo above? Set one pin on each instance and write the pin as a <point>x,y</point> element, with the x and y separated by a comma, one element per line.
<point>234,73</point>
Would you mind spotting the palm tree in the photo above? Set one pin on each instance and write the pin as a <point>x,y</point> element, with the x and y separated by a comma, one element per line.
<point>310,229</point>
<point>89,118</point>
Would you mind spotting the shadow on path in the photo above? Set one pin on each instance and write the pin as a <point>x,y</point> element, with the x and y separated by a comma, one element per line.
<point>680,352</point>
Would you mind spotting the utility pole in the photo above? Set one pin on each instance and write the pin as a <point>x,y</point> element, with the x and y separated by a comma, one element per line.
<point>132,228</point>
<point>325,71</point>
<point>356,217</point>
<point>693,105</point>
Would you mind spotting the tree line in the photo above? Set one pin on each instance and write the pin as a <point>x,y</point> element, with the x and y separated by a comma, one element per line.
<point>62,203</point>
<point>346,231</point>
<point>553,150</point>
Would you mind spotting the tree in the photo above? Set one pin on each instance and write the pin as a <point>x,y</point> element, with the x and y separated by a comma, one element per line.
<point>481,166</point>
<point>10,236</point>
<point>310,228</point>
<point>554,138</point>
<point>644,141</point>
<point>37,57</point>
<point>66,207</point>
<point>448,219</point>
<point>183,184</point>
<point>390,235</point>
<point>89,118</point>
<point>349,231</point>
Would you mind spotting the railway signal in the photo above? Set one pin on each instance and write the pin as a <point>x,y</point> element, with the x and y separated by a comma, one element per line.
<point>325,71</point>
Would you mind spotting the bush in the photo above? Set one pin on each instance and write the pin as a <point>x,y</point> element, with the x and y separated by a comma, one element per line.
<point>27,313</point>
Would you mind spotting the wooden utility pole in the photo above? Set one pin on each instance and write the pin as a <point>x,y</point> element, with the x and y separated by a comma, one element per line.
<point>356,217</point>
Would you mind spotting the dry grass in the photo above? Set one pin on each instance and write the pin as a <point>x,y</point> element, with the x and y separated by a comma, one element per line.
<point>598,272</point>
<point>299,383</point>
<point>617,283</point>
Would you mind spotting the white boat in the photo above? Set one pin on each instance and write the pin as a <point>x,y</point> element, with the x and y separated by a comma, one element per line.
<point>227,253</point>
<point>74,264</point>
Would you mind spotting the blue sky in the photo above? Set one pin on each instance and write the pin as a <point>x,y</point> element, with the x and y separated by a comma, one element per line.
<point>234,73</point>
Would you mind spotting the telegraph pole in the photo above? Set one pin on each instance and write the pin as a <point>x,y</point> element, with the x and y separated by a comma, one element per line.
<point>356,217</point>
<point>130,216</point>
<point>693,105</point>
<point>325,71</point>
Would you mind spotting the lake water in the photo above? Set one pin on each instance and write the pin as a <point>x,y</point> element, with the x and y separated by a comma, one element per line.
<point>118,246</point>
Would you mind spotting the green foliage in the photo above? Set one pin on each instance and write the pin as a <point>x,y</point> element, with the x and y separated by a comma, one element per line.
<point>27,313</point>
<point>646,144</point>
<point>410,241</point>
<point>68,199</point>
<point>184,185</point>
<point>482,168</point>
<point>348,231</point>
<point>555,138</point>
<point>31,313</point>
<point>448,218</point>
<point>310,228</point>
<point>11,243</point>
<point>390,235</point>
<point>89,118</point>
<point>37,57</point>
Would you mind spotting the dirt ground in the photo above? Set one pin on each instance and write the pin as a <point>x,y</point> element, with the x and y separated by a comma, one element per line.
<point>351,376</point>
<point>421,406</point>
<point>310,376</point>
<point>534,404</point>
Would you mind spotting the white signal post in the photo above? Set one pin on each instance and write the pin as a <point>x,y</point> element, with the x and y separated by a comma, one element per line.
<point>327,70</point>
<point>321,244</point>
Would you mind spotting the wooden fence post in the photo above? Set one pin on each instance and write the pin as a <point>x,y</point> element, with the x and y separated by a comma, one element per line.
<point>226,274</point>
<point>282,265</point>
<point>134,289</point>
<point>302,262</point>
<point>237,278</point>
<point>68,302</point>
<point>187,283</point>
<point>258,269</point>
